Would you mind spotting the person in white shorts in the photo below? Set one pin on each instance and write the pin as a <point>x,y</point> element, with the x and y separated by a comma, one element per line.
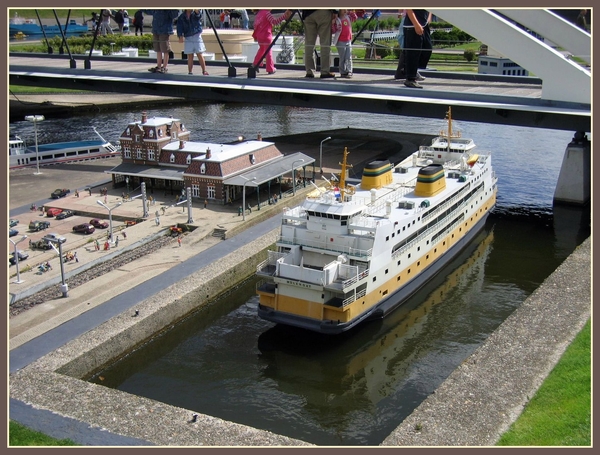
<point>189,31</point>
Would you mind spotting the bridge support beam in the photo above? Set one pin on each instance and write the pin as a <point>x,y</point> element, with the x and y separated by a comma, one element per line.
<point>574,181</point>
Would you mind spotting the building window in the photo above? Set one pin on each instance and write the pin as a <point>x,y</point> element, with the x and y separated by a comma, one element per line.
<point>139,154</point>
<point>151,155</point>
<point>137,138</point>
<point>188,159</point>
<point>127,153</point>
<point>195,190</point>
<point>127,131</point>
<point>203,168</point>
<point>151,133</point>
<point>172,158</point>
<point>160,133</point>
<point>211,192</point>
<point>252,158</point>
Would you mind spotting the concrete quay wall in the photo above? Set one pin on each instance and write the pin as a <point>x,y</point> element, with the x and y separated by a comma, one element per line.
<point>166,308</point>
<point>54,382</point>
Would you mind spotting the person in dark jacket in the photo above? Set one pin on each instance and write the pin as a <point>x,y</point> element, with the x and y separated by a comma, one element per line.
<point>138,21</point>
<point>162,28</point>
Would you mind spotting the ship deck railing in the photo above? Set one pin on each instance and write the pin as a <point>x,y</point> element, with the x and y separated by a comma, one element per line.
<point>426,233</point>
<point>395,193</point>
<point>352,298</point>
<point>320,246</point>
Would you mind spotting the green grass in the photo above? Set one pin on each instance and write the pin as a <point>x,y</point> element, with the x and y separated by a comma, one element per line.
<point>20,435</point>
<point>560,412</point>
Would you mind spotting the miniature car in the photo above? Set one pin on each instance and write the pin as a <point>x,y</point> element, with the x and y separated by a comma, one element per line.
<point>22,256</point>
<point>12,232</point>
<point>84,228</point>
<point>53,212</point>
<point>98,224</point>
<point>12,223</point>
<point>55,237</point>
<point>64,214</point>
<point>59,192</point>
<point>40,245</point>
<point>38,225</point>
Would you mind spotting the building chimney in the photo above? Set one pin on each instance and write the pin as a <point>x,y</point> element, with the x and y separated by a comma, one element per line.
<point>181,144</point>
<point>259,137</point>
<point>144,117</point>
<point>208,153</point>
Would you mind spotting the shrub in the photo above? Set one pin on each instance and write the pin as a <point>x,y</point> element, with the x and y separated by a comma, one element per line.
<point>469,55</point>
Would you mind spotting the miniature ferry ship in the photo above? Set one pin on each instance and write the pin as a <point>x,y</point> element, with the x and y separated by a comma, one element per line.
<point>21,155</point>
<point>353,253</point>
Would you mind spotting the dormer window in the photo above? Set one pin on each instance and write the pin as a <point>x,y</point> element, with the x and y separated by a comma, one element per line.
<point>127,131</point>
<point>203,168</point>
<point>188,159</point>
<point>172,158</point>
<point>252,158</point>
<point>151,133</point>
<point>137,138</point>
<point>182,127</point>
<point>160,133</point>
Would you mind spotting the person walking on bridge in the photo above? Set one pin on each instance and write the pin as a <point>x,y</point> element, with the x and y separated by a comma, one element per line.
<point>162,28</point>
<point>263,34</point>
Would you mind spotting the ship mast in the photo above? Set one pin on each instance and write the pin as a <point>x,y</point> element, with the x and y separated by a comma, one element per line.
<point>448,134</point>
<point>343,175</point>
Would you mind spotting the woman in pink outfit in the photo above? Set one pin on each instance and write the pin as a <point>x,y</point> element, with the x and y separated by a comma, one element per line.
<point>263,34</point>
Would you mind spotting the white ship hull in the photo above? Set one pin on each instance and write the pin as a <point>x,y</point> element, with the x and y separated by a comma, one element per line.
<point>355,253</point>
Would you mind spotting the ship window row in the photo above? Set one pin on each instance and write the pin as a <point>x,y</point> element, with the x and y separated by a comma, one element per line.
<point>439,219</point>
<point>463,190</point>
<point>330,216</point>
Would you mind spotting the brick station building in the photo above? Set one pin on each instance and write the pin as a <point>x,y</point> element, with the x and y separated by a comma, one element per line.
<point>158,151</point>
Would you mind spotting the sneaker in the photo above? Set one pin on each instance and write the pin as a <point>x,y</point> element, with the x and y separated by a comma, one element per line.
<point>310,75</point>
<point>420,78</point>
<point>412,84</point>
<point>154,70</point>
<point>190,73</point>
<point>346,76</point>
<point>327,76</point>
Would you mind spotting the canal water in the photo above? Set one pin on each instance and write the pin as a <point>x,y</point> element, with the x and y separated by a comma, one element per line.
<point>352,389</point>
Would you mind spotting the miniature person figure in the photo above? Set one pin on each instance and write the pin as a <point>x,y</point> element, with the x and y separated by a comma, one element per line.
<point>117,241</point>
<point>263,34</point>
<point>189,31</point>
<point>124,235</point>
<point>179,240</point>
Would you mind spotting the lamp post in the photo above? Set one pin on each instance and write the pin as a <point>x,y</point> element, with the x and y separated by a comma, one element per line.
<point>293,176</point>
<point>110,229</point>
<point>64,288</point>
<point>19,281</point>
<point>321,154</point>
<point>127,183</point>
<point>244,196</point>
<point>35,119</point>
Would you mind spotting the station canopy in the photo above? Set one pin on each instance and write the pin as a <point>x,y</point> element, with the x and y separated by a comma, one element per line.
<point>271,170</point>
